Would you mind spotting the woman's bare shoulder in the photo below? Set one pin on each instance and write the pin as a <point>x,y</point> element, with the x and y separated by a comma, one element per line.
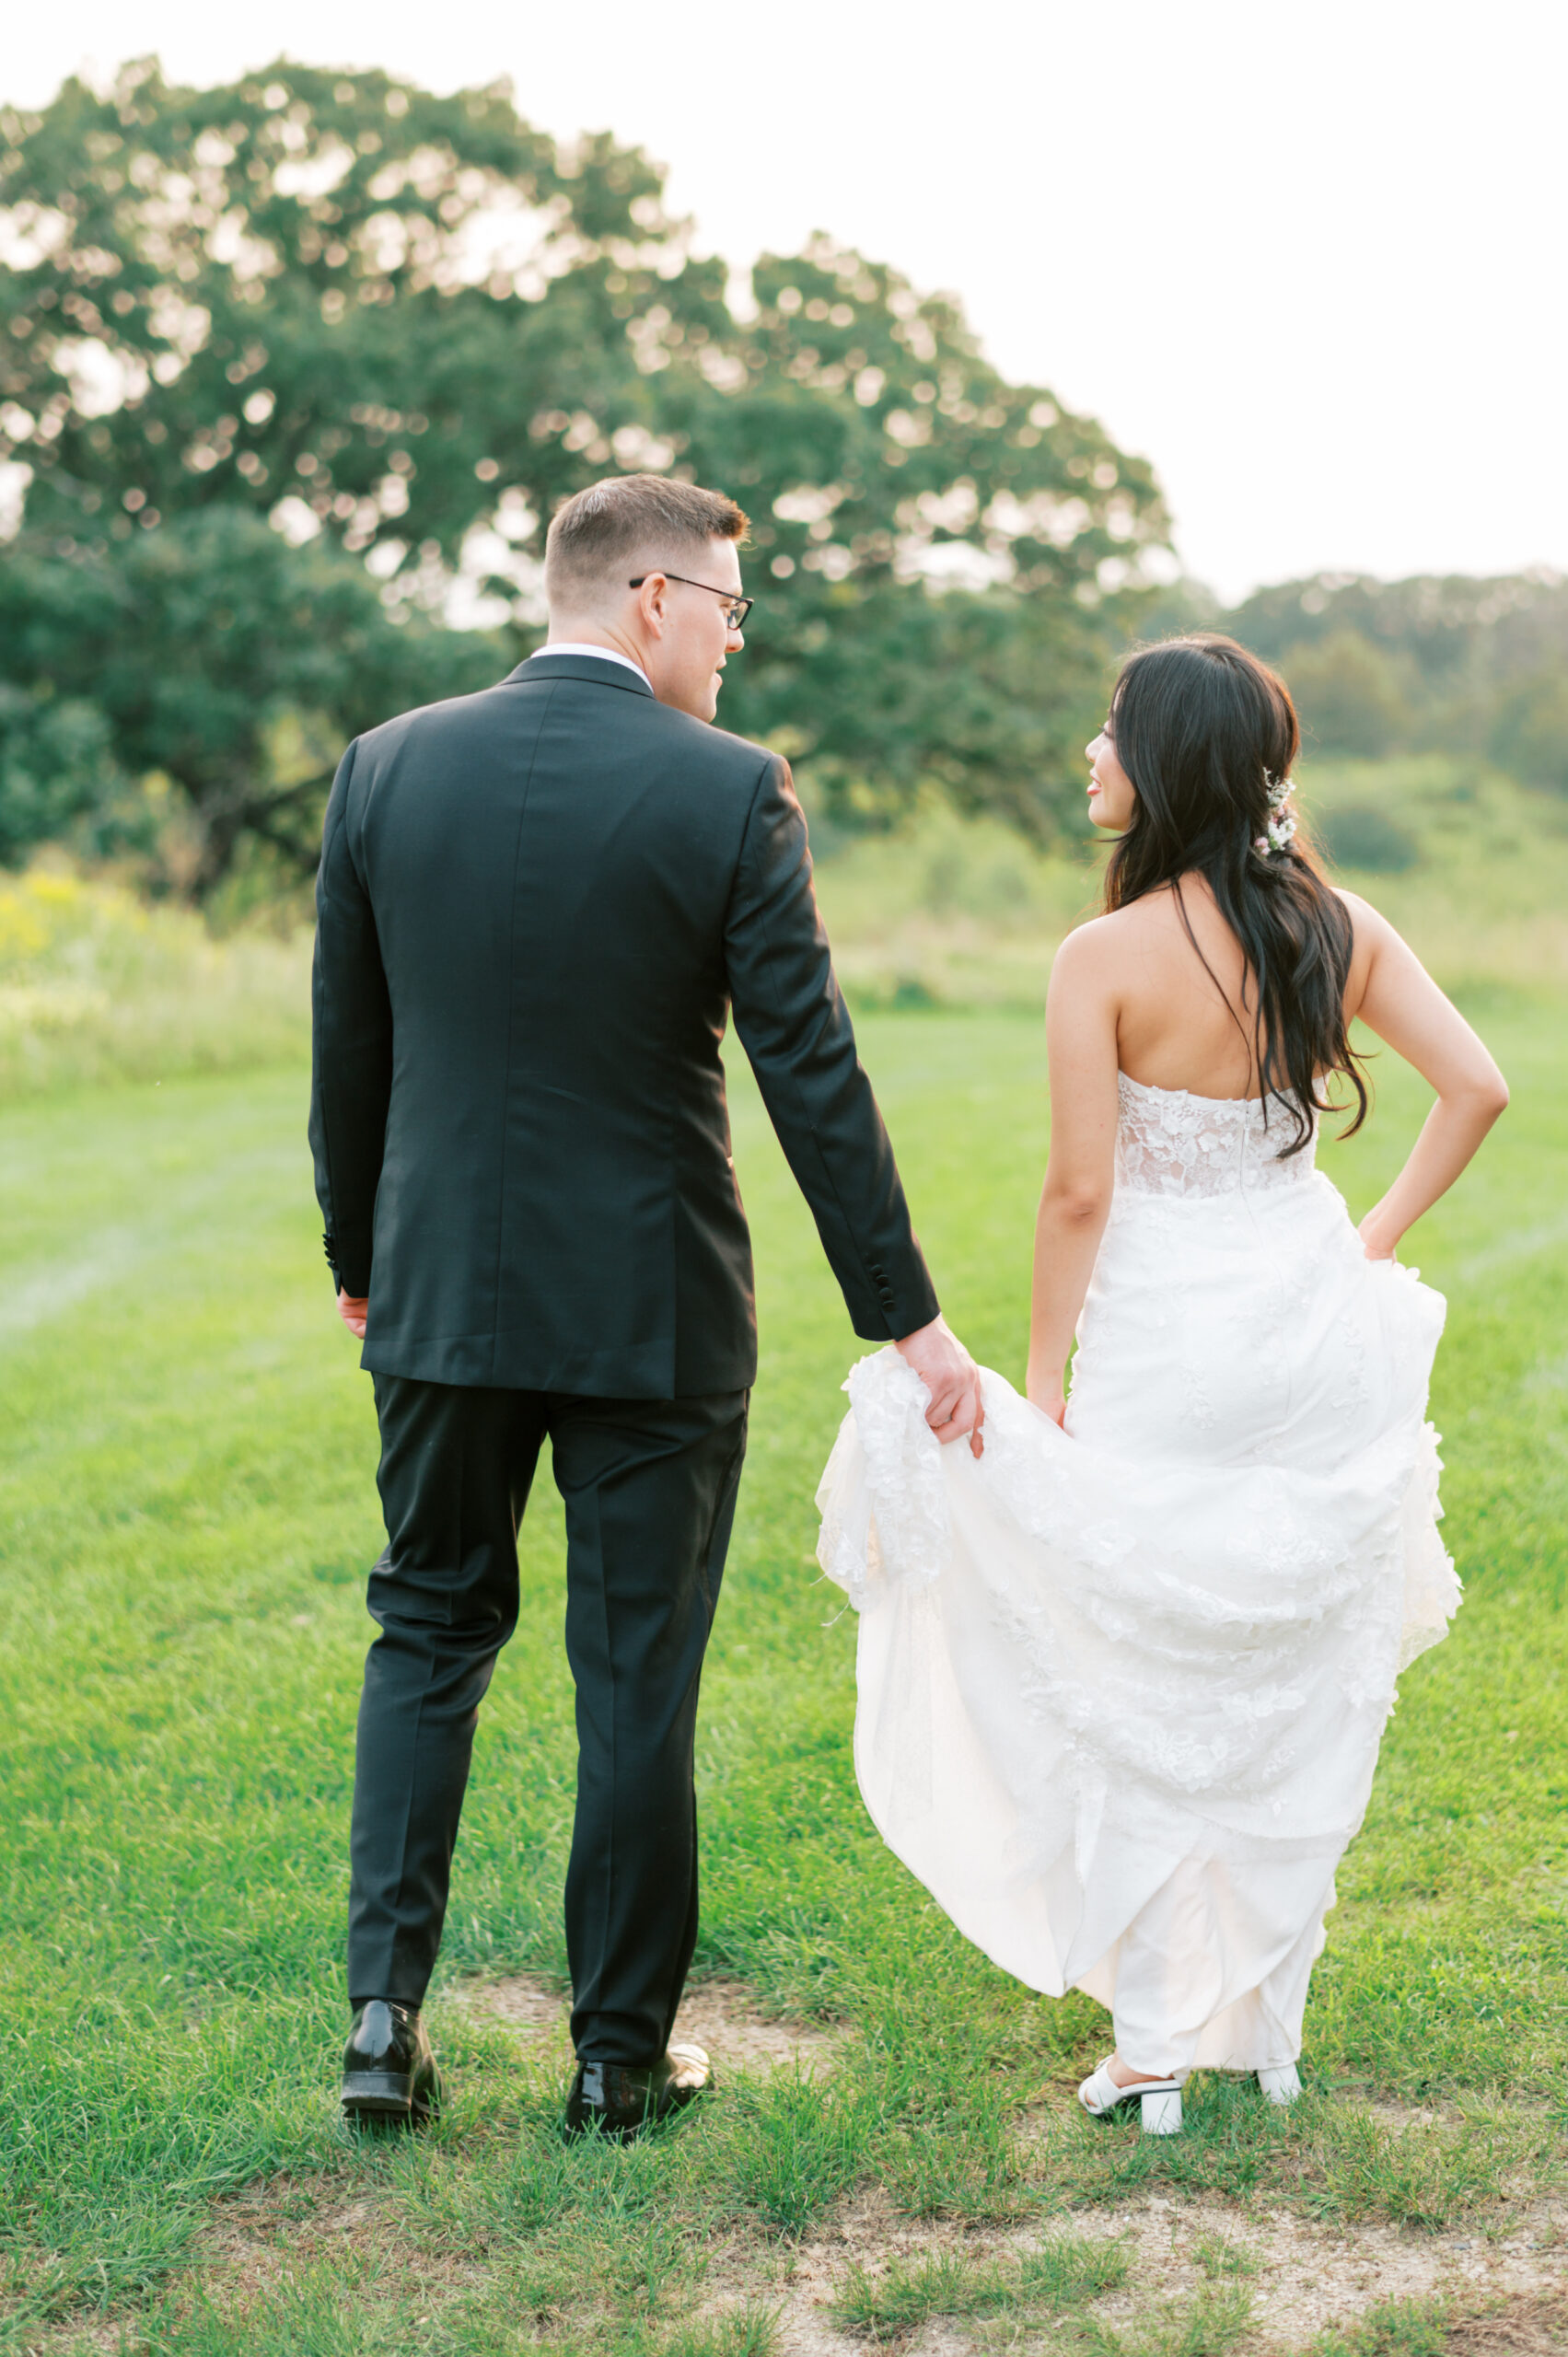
<point>1102,936</point>
<point>1094,948</point>
<point>1100,959</point>
<point>1369,926</point>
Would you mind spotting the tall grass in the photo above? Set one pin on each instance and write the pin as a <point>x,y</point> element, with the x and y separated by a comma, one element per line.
<point>1471,867</point>
<point>951,912</point>
<point>96,986</point>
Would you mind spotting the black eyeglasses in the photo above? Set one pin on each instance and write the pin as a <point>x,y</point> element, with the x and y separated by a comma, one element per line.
<point>738,607</point>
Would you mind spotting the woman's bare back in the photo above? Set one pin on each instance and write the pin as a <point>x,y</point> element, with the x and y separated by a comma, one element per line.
<point>1182,1022</point>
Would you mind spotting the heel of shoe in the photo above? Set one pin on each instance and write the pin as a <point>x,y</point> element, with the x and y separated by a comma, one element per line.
<point>377,2094</point>
<point>1162,2113</point>
<point>1281,2085</point>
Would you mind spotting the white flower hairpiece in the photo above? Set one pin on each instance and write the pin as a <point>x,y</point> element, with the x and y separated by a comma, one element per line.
<point>1281,825</point>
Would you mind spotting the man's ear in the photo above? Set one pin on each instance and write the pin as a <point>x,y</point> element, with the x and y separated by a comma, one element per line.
<point>653,603</point>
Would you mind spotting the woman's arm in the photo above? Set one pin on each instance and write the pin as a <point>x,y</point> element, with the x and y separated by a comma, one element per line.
<point>1080,1026</point>
<point>1404,1006</point>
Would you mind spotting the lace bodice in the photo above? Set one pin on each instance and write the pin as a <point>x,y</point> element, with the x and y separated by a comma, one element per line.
<point>1169,1143</point>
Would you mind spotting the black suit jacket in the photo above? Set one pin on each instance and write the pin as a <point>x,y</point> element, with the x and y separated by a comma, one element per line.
<point>536,907</point>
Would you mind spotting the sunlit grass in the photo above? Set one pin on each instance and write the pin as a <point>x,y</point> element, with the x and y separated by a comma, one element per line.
<point>1061,2274</point>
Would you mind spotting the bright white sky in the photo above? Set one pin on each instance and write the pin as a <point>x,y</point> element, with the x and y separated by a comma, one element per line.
<point>1310,260</point>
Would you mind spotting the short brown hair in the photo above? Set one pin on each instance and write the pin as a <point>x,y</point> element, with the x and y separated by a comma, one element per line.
<point>627,517</point>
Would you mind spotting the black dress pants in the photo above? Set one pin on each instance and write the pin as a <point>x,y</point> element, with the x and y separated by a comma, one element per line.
<point>650,1488</point>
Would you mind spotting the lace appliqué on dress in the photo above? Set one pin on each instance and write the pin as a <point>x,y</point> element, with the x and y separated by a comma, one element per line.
<point>1168,1143</point>
<point>883,1496</point>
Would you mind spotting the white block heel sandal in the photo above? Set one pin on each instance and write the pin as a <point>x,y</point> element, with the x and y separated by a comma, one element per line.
<point>1159,2099</point>
<point>1282,2084</point>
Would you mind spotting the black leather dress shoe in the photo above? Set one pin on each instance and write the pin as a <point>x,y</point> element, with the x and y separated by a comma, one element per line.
<point>389,2074</point>
<point>621,2102</point>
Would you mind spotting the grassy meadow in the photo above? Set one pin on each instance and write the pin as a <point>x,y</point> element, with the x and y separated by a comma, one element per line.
<point>186,1515</point>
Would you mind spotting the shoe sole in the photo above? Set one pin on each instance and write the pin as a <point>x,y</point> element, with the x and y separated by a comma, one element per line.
<point>382,2099</point>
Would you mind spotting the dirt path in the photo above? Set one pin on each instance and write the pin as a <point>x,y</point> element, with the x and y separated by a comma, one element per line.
<point>1300,2277</point>
<point>1508,2284</point>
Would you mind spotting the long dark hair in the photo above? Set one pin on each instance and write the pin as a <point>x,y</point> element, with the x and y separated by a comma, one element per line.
<point>1202,728</point>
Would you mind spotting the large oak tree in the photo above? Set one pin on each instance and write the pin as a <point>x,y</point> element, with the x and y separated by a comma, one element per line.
<point>281,361</point>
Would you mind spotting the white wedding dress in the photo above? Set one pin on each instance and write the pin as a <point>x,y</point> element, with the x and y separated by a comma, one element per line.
<point>1122,1688</point>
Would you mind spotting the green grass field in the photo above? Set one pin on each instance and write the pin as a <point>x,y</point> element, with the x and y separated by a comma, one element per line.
<point>186,1515</point>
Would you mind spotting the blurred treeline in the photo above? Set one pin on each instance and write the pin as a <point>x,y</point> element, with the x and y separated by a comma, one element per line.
<point>1433,664</point>
<point>1474,670</point>
<point>293,372</point>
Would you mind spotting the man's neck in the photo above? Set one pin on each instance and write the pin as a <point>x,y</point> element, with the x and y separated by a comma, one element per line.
<point>574,630</point>
<point>560,643</point>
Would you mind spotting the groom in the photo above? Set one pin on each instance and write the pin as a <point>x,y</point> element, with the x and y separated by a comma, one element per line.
<point>537,907</point>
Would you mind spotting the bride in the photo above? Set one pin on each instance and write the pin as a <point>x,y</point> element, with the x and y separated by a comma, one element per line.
<point>1125,1662</point>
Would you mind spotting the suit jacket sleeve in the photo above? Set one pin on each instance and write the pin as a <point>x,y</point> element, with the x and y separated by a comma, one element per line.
<point>351,1048</point>
<point>795,1027</point>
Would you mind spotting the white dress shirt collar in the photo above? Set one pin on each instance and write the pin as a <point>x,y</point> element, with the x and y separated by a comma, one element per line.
<point>602,654</point>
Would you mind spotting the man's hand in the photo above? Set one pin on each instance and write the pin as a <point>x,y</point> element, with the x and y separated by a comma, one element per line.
<point>953,1380</point>
<point>352,1313</point>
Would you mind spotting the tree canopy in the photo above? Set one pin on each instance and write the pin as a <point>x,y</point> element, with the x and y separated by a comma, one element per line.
<point>293,372</point>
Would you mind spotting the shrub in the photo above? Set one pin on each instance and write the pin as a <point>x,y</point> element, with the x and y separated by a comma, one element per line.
<point>1360,835</point>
